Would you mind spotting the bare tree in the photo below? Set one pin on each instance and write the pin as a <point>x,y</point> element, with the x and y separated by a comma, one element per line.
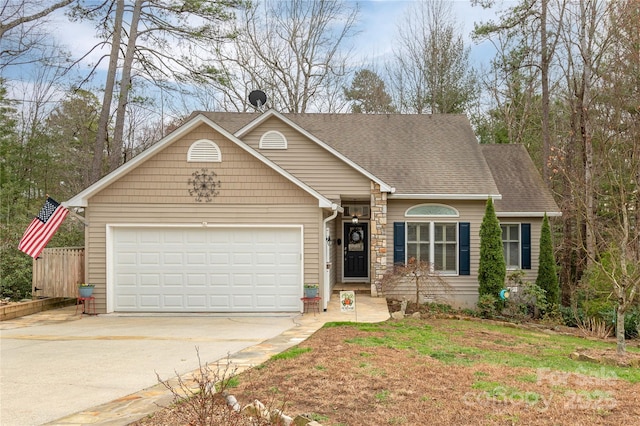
<point>293,50</point>
<point>585,39</point>
<point>618,152</point>
<point>431,72</point>
<point>102,134</point>
<point>23,29</point>
<point>419,278</point>
<point>526,28</point>
<point>152,41</point>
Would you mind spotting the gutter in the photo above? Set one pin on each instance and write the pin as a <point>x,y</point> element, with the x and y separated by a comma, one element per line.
<point>326,252</point>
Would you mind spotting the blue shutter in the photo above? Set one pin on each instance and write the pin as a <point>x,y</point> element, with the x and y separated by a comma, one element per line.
<point>464,248</point>
<point>526,245</point>
<point>398,242</point>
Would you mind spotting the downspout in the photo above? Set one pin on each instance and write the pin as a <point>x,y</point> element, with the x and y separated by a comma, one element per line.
<point>326,253</point>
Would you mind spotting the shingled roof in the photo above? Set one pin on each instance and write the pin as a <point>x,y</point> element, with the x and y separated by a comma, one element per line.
<point>416,154</point>
<point>519,182</point>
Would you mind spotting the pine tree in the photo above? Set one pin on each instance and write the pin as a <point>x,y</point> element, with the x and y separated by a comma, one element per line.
<point>547,278</point>
<point>492,269</point>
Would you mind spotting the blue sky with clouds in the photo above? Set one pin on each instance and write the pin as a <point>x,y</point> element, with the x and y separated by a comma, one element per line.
<point>380,19</point>
<point>378,25</point>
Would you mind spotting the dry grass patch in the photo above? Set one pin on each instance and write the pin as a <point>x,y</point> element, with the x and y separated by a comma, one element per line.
<point>450,372</point>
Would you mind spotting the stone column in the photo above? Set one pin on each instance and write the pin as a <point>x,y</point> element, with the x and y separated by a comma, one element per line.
<point>378,225</point>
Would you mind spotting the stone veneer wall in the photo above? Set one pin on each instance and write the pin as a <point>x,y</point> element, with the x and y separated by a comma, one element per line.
<point>378,226</point>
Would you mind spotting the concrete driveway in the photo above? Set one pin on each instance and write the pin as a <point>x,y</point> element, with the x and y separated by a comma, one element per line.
<point>51,368</point>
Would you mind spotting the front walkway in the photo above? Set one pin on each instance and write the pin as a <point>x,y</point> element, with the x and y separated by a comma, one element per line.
<point>130,408</point>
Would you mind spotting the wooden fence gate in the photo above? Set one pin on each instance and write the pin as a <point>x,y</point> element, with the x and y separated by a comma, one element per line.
<point>58,271</point>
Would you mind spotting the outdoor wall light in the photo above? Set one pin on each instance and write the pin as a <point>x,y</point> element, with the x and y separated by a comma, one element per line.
<point>354,219</point>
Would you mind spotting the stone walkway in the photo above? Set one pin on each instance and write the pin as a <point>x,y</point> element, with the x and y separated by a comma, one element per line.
<point>130,408</point>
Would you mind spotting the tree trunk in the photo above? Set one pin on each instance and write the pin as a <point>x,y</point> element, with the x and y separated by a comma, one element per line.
<point>103,123</point>
<point>125,85</point>
<point>621,345</point>
<point>544,71</point>
<point>585,48</point>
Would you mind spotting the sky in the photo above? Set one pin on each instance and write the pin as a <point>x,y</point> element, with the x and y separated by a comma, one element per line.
<point>379,20</point>
<point>377,28</point>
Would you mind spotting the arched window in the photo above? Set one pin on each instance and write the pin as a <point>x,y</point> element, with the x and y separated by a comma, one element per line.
<point>205,151</point>
<point>428,210</point>
<point>273,140</point>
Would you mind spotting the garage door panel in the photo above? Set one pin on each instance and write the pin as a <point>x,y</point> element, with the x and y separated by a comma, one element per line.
<point>266,280</point>
<point>207,270</point>
<point>172,301</point>
<point>220,302</point>
<point>149,301</point>
<point>241,259</point>
<point>172,258</point>
<point>150,280</point>
<point>173,280</point>
<point>242,280</point>
<point>127,301</point>
<point>196,258</point>
<point>196,280</point>
<point>243,302</point>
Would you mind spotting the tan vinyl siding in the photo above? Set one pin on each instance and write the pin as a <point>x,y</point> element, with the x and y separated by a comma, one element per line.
<point>536,226</point>
<point>156,192</point>
<point>465,287</point>
<point>311,163</point>
<point>164,178</point>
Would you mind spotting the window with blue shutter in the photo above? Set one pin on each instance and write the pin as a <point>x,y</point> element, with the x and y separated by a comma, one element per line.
<point>526,245</point>
<point>464,248</point>
<point>398,242</point>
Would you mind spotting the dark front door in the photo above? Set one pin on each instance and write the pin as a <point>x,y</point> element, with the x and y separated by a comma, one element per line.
<point>356,250</point>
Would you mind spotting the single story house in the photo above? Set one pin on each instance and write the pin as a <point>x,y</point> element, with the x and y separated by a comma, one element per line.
<point>234,212</point>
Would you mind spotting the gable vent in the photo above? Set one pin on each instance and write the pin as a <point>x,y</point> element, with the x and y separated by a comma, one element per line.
<point>273,140</point>
<point>205,151</point>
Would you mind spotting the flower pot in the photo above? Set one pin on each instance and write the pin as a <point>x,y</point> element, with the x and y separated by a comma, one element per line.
<point>311,292</point>
<point>85,291</point>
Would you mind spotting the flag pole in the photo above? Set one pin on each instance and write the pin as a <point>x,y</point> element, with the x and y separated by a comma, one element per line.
<point>77,216</point>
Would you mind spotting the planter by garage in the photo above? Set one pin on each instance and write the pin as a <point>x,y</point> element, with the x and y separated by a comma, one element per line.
<point>85,290</point>
<point>311,292</point>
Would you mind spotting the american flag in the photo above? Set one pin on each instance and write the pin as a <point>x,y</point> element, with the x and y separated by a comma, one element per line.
<point>42,228</point>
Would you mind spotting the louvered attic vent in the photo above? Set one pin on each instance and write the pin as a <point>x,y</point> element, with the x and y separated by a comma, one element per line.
<point>273,140</point>
<point>204,151</point>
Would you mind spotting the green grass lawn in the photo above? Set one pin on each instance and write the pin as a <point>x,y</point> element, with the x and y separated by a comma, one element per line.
<point>469,342</point>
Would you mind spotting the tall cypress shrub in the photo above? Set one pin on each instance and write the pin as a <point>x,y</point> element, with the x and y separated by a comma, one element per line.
<point>547,278</point>
<point>493,268</point>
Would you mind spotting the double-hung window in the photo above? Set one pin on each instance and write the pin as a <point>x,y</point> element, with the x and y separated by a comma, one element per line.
<point>429,236</point>
<point>511,245</point>
<point>435,243</point>
<point>516,245</point>
<point>418,241</point>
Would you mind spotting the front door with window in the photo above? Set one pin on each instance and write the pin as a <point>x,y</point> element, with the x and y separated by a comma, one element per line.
<point>356,251</point>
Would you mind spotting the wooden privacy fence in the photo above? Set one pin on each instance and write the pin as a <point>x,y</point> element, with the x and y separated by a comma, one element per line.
<point>58,271</point>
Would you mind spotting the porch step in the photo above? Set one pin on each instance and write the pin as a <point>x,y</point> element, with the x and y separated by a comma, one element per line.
<point>358,288</point>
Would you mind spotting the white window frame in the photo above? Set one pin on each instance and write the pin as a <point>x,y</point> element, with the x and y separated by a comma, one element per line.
<point>432,244</point>
<point>519,241</point>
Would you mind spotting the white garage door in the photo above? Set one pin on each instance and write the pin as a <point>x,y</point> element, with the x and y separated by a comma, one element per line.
<point>207,269</point>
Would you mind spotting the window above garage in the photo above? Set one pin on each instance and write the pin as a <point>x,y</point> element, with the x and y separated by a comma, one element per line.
<point>204,151</point>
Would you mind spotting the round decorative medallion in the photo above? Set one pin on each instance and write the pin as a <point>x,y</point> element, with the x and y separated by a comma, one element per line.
<point>203,185</point>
